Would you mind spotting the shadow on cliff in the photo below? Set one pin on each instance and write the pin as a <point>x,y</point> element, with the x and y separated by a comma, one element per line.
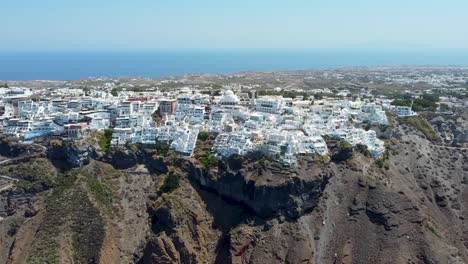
<point>227,214</point>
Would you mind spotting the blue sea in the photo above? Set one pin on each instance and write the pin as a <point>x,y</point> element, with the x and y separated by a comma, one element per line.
<point>80,65</point>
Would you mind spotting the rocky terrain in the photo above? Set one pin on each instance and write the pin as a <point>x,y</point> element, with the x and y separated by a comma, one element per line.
<point>77,204</point>
<point>453,127</point>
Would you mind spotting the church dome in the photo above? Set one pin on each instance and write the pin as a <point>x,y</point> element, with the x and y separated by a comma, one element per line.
<point>229,98</point>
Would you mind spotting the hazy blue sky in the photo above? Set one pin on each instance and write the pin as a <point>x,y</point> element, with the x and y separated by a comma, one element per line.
<point>230,24</point>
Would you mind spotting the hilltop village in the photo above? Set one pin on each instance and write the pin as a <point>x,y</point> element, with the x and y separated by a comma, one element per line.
<point>278,126</point>
<point>280,122</point>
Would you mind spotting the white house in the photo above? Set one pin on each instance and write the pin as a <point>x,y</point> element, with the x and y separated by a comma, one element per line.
<point>269,104</point>
<point>402,111</point>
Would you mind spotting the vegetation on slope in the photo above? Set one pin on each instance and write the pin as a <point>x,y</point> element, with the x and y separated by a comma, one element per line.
<point>100,179</point>
<point>171,182</point>
<point>203,136</point>
<point>74,211</point>
<point>391,116</point>
<point>382,161</point>
<point>105,140</point>
<point>46,242</point>
<point>422,125</point>
<point>87,228</point>
<point>161,148</point>
<point>208,160</point>
<point>427,102</point>
<point>35,175</point>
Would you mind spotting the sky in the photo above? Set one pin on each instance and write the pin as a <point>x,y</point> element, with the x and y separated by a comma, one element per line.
<point>72,25</point>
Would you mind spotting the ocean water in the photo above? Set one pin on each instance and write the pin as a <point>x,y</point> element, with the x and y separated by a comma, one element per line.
<point>79,65</point>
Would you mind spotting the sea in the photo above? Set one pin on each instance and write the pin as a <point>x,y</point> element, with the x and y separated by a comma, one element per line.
<point>70,65</point>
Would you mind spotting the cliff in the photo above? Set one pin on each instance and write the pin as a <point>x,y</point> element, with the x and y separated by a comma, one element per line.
<point>270,190</point>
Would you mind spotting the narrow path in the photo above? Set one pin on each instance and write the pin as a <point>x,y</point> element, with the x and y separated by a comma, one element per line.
<point>5,161</point>
<point>34,144</point>
<point>20,158</point>
<point>6,187</point>
<point>448,147</point>
<point>8,178</point>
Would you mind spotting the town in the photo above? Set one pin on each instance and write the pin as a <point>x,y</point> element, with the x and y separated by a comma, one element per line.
<point>281,124</point>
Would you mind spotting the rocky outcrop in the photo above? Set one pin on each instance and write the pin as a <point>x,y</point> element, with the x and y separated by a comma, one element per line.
<point>156,164</point>
<point>266,191</point>
<point>162,250</point>
<point>453,128</point>
<point>69,155</point>
<point>341,154</point>
<point>382,131</point>
<point>387,209</point>
<point>125,158</point>
<point>184,231</point>
<point>12,148</point>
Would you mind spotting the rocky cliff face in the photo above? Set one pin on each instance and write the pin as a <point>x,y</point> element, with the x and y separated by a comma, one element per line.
<point>453,128</point>
<point>203,220</point>
<point>68,155</point>
<point>11,148</point>
<point>125,158</point>
<point>269,191</point>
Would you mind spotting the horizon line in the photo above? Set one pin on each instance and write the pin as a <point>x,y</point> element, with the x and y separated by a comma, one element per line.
<point>242,49</point>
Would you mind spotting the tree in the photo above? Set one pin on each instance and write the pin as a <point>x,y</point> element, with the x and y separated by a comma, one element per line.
<point>115,92</point>
<point>203,136</point>
<point>444,107</point>
<point>86,90</point>
<point>427,102</point>
<point>161,148</point>
<point>216,87</point>
<point>105,140</point>
<point>318,96</point>
<point>171,182</point>
<point>401,102</point>
<point>208,160</point>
